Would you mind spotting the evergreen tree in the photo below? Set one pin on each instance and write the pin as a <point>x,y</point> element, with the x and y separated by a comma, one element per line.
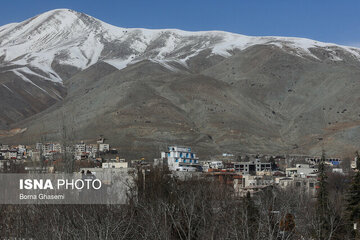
<point>353,206</point>
<point>252,215</point>
<point>323,201</point>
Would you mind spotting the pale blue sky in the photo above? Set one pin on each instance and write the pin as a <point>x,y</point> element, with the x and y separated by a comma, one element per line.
<point>329,21</point>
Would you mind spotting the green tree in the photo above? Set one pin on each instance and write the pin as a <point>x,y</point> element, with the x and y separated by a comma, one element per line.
<point>323,201</point>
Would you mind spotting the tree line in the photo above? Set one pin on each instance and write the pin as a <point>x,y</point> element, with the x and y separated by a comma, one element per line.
<point>162,206</point>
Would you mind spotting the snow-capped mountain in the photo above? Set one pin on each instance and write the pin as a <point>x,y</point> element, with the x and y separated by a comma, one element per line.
<point>141,88</point>
<point>67,37</point>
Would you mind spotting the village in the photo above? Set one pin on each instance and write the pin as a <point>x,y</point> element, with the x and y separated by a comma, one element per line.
<point>244,174</point>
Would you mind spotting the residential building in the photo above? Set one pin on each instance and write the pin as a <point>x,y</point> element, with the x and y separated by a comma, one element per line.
<point>35,156</point>
<point>305,185</point>
<point>57,147</point>
<point>252,184</point>
<point>80,148</point>
<point>206,165</point>
<point>118,181</point>
<point>354,163</point>
<point>103,147</point>
<point>115,165</point>
<point>301,170</point>
<point>11,154</point>
<point>38,146</point>
<point>49,148</point>
<point>100,140</point>
<point>4,147</point>
<point>181,159</point>
<point>252,166</point>
<point>92,149</point>
<point>328,161</point>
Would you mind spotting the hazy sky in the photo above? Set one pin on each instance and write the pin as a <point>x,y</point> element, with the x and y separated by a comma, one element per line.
<point>324,20</point>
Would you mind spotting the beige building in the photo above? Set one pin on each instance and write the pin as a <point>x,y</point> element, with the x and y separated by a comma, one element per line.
<point>305,185</point>
<point>251,184</point>
<point>115,165</point>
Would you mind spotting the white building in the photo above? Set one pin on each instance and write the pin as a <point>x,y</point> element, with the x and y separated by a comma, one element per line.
<point>181,159</point>
<point>45,148</point>
<point>11,155</point>
<point>92,149</point>
<point>49,147</point>
<point>4,147</point>
<point>301,170</point>
<point>57,147</point>
<point>119,181</point>
<point>354,163</point>
<point>80,148</point>
<point>228,155</point>
<point>115,165</point>
<point>21,148</point>
<point>38,146</point>
<point>103,147</point>
<point>206,165</point>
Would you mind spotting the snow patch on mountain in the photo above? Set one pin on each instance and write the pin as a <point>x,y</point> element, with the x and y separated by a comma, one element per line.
<point>71,38</point>
<point>23,77</point>
<point>29,72</point>
<point>7,88</point>
<point>120,63</point>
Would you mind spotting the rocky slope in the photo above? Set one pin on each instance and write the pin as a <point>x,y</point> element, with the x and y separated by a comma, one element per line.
<point>143,89</point>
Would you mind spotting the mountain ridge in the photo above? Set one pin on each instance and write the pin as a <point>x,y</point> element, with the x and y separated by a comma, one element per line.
<point>143,89</point>
<point>76,39</point>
